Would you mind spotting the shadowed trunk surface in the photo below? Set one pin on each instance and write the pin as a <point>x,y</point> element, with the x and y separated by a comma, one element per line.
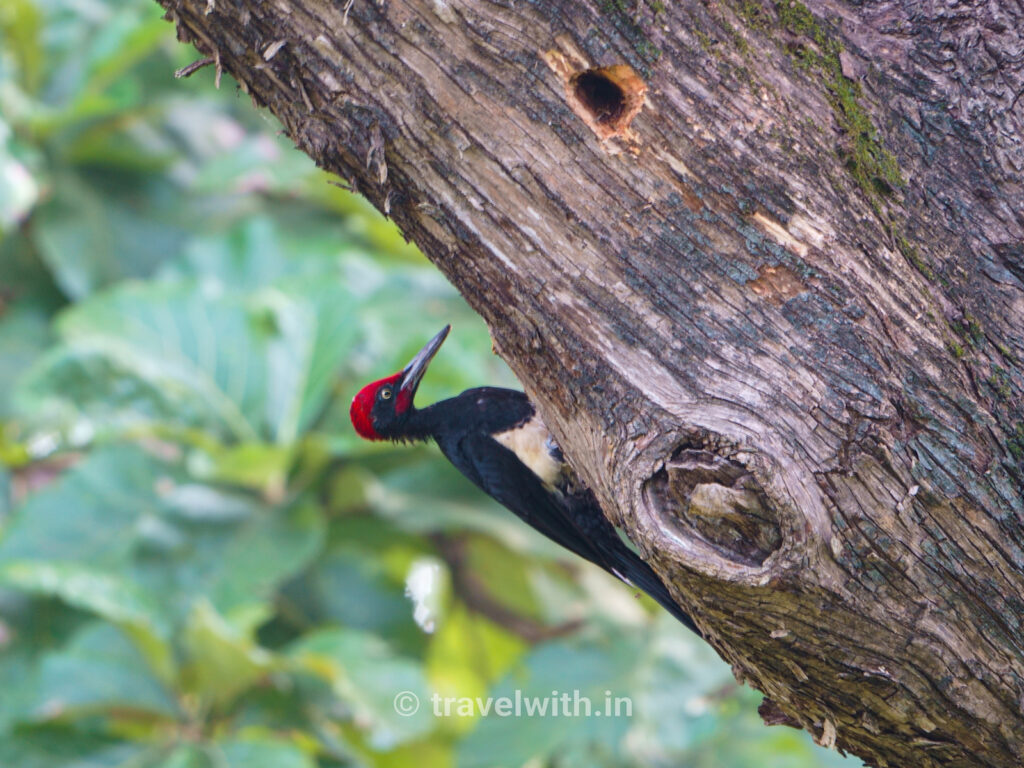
<point>761,266</point>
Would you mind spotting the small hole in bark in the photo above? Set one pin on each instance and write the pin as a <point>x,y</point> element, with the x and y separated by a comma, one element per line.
<point>601,97</point>
<point>607,98</point>
<point>709,496</point>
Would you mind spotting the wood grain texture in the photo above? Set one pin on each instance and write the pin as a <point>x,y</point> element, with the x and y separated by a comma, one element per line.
<point>775,322</point>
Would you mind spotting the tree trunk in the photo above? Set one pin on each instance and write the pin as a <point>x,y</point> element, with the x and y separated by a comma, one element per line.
<point>762,269</point>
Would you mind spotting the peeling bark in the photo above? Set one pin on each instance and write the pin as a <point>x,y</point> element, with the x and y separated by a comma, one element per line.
<point>762,268</point>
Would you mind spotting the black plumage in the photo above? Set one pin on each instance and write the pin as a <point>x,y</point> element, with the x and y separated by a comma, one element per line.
<point>495,438</point>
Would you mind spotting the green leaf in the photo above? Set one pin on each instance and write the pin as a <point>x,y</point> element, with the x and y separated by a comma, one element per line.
<point>18,681</point>
<point>251,752</point>
<point>24,333</point>
<point>122,42</point>
<point>359,581</point>
<point>367,675</point>
<point>5,491</point>
<point>467,655</point>
<point>19,190</point>
<point>195,360</point>
<point>20,27</point>
<point>223,661</point>
<point>103,594</point>
<point>591,673</point>
<point>85,588</point>
<point>678,682</point>
<point>90,515</point>
<point>261,753</point>
<point>315,331</point>
<point>184,756</point>
<point>30,628</point>
<point>425,493</point>
<point>256,163</point>
<point>54,747</point>
<point>238,367</point>
<point>260,466</point>
<point>100,670</point>
<point>123,532</point>
<point>89,238</point>
<point>246,257</point>
<point>504,573</point>
<point>237,563</point>
<point>268,549</point>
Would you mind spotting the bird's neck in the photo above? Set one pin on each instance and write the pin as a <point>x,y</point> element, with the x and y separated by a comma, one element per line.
<point>421,424</point>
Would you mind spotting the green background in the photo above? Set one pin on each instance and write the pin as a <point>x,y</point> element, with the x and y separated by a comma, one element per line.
<point>200,563</point>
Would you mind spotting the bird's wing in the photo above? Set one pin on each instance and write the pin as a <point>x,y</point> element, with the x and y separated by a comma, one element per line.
<point>498,471</point>
<point>577,524</point>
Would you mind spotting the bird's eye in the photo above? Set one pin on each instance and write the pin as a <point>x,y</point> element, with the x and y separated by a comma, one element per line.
<point>385,394</point>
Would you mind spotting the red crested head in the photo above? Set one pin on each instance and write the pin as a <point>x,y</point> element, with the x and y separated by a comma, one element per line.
<point>380,411</point>
<point>361,411</point>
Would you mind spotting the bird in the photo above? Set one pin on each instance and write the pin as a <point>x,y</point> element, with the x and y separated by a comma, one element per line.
<point>495,438</point>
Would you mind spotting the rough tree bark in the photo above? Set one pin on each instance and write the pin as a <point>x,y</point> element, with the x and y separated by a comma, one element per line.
<point>762,268</point>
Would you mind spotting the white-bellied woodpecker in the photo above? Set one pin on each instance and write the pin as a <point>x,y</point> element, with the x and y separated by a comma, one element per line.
<point>495,437</point>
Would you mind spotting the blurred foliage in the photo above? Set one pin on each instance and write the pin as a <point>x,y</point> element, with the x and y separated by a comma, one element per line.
<point>200,565</point>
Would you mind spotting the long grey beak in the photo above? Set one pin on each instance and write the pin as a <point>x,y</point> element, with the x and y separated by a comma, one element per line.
<point>413,372</point>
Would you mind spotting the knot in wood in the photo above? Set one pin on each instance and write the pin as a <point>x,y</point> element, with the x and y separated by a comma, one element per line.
<point>716,499</point>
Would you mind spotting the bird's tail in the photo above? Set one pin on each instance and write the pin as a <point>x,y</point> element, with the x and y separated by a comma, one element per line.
<point>642,576</point>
